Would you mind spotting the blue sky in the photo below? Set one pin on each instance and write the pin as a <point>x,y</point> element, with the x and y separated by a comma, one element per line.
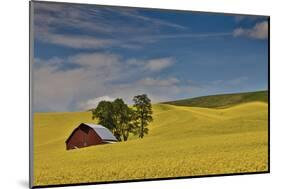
<point>87,53</point>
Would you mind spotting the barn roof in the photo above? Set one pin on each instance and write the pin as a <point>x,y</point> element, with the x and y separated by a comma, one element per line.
<point>102,131</point>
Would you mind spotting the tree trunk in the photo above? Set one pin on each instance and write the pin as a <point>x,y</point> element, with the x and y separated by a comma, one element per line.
<point>125,135</point>
<point>141,131</point>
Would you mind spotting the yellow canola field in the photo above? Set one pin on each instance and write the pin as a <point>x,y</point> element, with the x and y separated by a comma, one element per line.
<point>182,141</point>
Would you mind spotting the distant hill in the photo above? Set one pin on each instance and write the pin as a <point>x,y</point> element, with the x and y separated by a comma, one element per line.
<point>223,100</point>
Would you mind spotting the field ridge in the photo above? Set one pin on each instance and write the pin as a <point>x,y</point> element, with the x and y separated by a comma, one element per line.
<point>222,100</point>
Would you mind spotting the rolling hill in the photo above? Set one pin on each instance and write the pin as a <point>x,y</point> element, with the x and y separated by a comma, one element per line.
<point>182,141</point>
<point>223,100</point>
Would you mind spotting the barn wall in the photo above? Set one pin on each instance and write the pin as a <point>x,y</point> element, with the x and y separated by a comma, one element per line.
<point>81,139</point>
<point>94,138</point>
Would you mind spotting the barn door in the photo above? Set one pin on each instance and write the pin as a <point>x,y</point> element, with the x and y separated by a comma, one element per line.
<point>85,140</point>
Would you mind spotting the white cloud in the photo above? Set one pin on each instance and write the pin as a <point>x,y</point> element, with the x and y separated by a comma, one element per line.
<point>102,76</point>
<point>152,65</point>
<point>159,82</point>
<point>159,64</point>
<point>92,103</point>
<point>57,89</point>
<point>50,18</point>
<point>134,14</point>
<point>53,90</point>
<point>60,87</point>
<point>259,31</point>
<point>95,59</point>
<point>242,18</point>
<point>75,41</point>
<point>74,16</point>
<point>98,19</point>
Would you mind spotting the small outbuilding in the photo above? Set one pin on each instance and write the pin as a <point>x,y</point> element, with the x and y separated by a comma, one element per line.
<point>87,134</point>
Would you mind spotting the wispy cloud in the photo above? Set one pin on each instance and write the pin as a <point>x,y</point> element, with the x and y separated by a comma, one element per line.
<point>133,13</point>
<point>91,42</point>
<point>259,31</point>
<point>104,27</point>
<point>159,64</point>
<point>105,76</point>
<point>194,35</point>
<point>96,75</point>
<point>159,82</point>
<point>227,84</point>
<point>76,41</point>
<point>152,65</point>
<point>52,18</point>
<point>93,60</point>
<point>242,18</point>
<point>92,103</point>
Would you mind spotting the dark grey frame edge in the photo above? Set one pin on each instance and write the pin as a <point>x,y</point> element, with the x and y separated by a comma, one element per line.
<point>31,56</point>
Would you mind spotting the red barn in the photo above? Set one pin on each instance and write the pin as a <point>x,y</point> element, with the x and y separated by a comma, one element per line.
<point>87,134</point>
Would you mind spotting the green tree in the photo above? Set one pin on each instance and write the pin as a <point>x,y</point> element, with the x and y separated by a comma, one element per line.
<point>104,113</point>
<point>129,127</point>
<point>143,114</point>
<point>116,116</point>
<point>122,118</point>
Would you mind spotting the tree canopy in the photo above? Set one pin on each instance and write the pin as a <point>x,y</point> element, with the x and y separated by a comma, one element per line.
<point>123,120</point>
<point>143,114</point>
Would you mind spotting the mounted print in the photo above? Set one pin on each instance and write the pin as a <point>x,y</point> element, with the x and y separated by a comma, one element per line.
<point>122,94</point>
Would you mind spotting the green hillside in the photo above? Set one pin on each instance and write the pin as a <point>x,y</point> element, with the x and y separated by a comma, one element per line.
<point>221,101</point>
<point>182,141</point>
